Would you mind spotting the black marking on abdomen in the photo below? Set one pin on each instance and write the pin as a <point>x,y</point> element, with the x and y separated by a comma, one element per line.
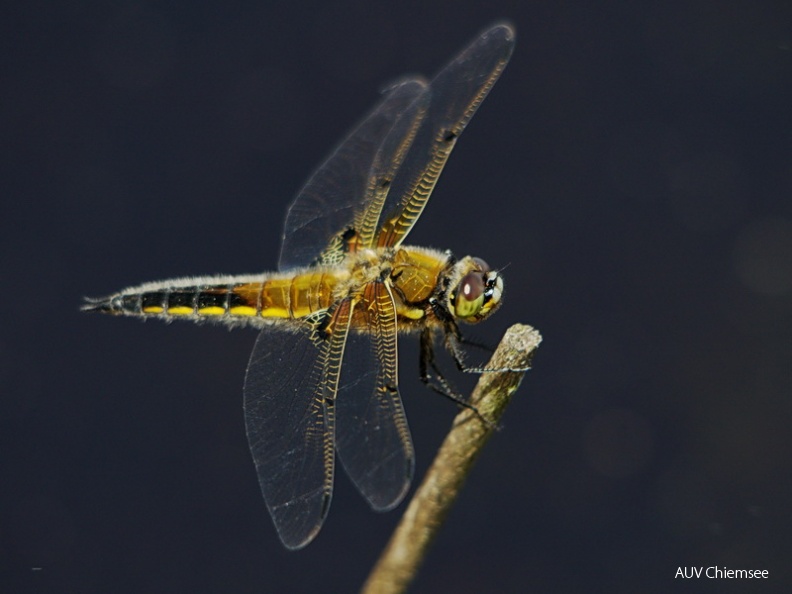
<point>211,297</point>
<point>182,298</point>
<point>153,299</point>
<point>237,300</point>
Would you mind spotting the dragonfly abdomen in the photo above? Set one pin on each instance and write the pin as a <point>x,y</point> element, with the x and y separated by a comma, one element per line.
<point>233,298</point>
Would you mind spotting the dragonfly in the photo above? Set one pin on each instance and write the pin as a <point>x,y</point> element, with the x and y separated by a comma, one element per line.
<point>322,378</point>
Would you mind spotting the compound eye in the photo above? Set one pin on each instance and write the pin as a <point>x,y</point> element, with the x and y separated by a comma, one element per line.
<point>470,295</point>
<point>483,266</point>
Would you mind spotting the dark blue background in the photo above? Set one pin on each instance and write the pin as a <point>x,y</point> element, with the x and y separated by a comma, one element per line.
<point>633,167</point>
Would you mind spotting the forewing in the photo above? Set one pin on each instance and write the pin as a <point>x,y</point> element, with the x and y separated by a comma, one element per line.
<point>456,93</point>
<point>329,211</point>
<point>373,438</point>
<point>290,386</point>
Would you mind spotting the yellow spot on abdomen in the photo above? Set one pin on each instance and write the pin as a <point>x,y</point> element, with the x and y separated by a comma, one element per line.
<point>180,310</point>
<point>211,311</point>
<point>242,310</point>
<point>153,309</point>
<point>274,312</point>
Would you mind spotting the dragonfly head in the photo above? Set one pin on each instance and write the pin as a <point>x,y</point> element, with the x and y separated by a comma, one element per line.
<point>476,290</point>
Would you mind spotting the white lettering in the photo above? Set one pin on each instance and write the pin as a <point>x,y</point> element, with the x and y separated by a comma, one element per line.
<point>688,572</point>
<point>714,572</point>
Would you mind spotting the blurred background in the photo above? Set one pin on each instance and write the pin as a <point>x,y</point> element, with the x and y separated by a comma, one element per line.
<point>633,168</point>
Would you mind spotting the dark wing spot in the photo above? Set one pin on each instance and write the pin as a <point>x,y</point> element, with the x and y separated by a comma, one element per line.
<point>322,324</point>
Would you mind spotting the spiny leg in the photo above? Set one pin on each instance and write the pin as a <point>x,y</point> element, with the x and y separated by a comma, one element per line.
<point>438,383</point>
<point>453,344</point>
<point>476,344</point>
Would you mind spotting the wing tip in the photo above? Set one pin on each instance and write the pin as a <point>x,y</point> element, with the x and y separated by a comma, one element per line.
<point>411,82</point>
<point>504,28</point>
<point>297,530</point>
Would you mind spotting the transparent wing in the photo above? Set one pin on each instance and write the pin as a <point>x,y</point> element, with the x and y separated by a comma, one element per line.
<point>373,439</point>
<point>338,197</point>
<point>456,93</point>
<point>290,387</point>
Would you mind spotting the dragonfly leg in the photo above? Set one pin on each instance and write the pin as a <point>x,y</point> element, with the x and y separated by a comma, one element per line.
<point>476,344</point>
<point>453,344</point>
<point>438,382</point>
